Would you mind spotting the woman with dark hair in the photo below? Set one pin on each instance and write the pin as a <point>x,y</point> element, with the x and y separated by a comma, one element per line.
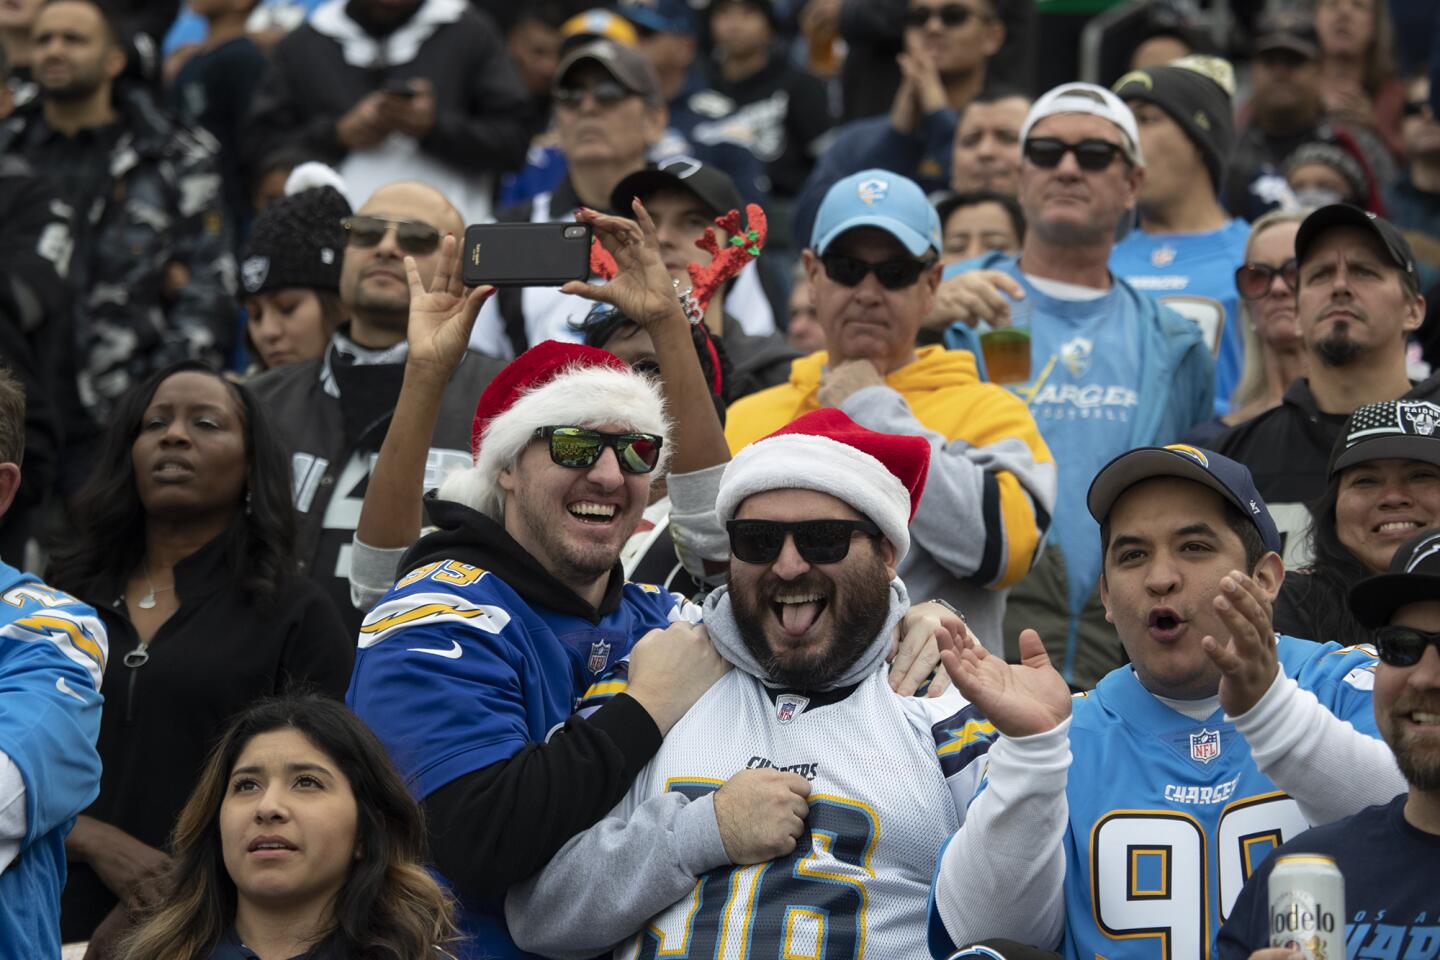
<point>183,541</point>
<point>1384,489</point>
<point>299,840</point>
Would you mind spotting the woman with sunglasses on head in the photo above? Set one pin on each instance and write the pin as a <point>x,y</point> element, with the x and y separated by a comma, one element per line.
<point>290,270</point>
<point>1384,489</point>
<point>1274,353</point>
<point>299,841</point>
<point>183,541</point>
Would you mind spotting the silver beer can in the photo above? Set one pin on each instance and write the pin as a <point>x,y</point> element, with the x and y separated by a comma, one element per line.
<point>1307,906</point>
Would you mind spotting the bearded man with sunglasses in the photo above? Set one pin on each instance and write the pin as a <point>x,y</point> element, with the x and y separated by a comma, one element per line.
<point>1389,854</point>
<point>332,412</point>
<point>1110,367</point>
<point>800,781</point>
<point>873,265</point>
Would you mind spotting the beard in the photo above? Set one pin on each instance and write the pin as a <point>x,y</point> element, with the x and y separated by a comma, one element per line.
<point>80,87</point>
<point>566,560</point>
<point>858,601</point>
<point>1416,755</point>
<point>1337,349</point>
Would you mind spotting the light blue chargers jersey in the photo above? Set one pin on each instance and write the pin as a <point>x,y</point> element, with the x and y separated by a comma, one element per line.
<point>1170,816</point>
<point>1194,275</point>
<point>52,656</point>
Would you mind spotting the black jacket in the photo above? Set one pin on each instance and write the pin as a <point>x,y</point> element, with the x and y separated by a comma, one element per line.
<point>333,437</point>
<point>1287,448</point>
<point>218,654</point>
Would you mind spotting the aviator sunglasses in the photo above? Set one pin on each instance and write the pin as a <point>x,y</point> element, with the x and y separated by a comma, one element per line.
<point>1091,154</point>
<point>415,237</point>
<point>892,274</point>
<point>580,447</point>
<point>1253,280</point>
<point>1403,646</point>
<point>817,541</point>
<point>951,15</point>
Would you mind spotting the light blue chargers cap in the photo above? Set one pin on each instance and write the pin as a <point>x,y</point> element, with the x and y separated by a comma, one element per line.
<point>878,198</point>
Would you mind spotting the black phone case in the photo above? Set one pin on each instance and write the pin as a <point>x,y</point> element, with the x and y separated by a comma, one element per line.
<point>525,254</point>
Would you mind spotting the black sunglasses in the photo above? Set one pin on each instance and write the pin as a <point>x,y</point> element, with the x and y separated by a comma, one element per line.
<point>818,541</point>
<point>607,93</point>
<point>580,447</point>
<point>951,15</point>
<point>892,274</point>
<point>1091,154</point>
<point>415,237</point>
<point>1253,280</point>
<point>1413,108</point>
<point>1403,646</point>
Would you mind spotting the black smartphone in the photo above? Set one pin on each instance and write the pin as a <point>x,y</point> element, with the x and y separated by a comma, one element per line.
<point>398,86</point>
<point>526,254</point>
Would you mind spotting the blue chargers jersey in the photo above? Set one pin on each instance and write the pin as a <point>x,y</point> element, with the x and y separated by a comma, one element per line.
<point>1194,275</point>
<point>1169,816</point>
<point>455,672</point>
<point>52,656</point>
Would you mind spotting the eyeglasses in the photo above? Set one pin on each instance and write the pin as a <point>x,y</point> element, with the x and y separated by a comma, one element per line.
<point>1403,646</point>
<point>1413,108</point>
<point>951,15</point>
<point>415,237</point>
<point>580,447</point>
<point>818,541</point>
<point>892,274</point>
<point>1091,154</point>
<point>607,93</point>
<point>1253,280</point>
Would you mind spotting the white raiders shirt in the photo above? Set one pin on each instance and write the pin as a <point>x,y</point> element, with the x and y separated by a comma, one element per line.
<point>890,778</point>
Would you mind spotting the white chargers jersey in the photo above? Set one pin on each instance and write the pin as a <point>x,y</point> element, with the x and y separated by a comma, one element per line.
<point>890,780</point>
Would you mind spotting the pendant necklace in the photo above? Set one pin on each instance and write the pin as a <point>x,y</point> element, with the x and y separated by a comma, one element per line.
<point>147,602</point>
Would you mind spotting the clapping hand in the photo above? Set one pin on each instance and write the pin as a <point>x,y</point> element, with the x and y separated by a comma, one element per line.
<point>442,315</point>
<point>1021,699</point>
<point>1247,658</point>
<point>642,288</point>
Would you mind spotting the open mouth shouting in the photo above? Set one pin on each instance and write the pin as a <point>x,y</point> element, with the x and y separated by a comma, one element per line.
<point>1165,625</point>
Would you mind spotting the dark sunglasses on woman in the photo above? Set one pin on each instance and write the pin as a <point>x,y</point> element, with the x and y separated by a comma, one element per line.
<point>892,274</point>
<point>1253,280</point>
<point>1403,646</point>
<point>950,14</point>
<point>1091,154</point>
<point>415,237</point>
<point>580,447</point>
<point>817,541</point>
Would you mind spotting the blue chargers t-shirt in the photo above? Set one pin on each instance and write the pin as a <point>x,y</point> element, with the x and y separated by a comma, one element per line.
<point>1194,275</point>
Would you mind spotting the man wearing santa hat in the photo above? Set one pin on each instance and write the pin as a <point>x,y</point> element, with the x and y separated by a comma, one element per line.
<point>799,783</point>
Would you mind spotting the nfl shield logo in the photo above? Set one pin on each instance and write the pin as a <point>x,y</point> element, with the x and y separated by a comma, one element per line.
<point>599,656</point>
<point>788,707</point>
<point>1205,745</point>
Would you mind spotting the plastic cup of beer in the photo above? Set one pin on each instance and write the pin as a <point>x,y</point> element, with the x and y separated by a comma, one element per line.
<point>1007,349</point>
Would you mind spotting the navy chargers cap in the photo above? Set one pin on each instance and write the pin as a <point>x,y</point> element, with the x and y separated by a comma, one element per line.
<point>1226,477</point>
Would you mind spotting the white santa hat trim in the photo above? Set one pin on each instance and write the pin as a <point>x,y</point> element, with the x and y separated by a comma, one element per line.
<point>581,396</point>
<point>797,461</point>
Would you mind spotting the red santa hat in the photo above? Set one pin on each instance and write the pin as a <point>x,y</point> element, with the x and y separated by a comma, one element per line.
<point>881,475</point>
<point>552,384</point>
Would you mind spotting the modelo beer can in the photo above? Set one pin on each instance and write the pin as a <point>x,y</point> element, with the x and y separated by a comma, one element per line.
<point>1307,906</point>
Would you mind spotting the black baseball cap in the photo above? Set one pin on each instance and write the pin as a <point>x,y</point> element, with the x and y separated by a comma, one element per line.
<point>1346,215</point>
<point>631,70</point>
<point>1288,30</point>
<point>1226,477</point>
<point>1414,574</point>
<point>1392,430</point>
<point>712,185</point>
